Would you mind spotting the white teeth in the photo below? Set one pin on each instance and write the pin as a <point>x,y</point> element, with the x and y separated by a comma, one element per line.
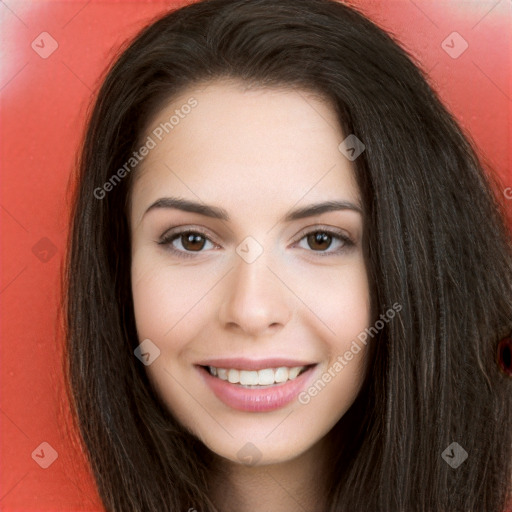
<point>233,376</point>
<point>248,378</point>
<point>293,372</point>
<point>220,372</point>
<point>281,374</point>
<point>265,377</point>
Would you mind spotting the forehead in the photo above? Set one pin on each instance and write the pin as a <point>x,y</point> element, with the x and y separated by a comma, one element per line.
<point>262,145</point>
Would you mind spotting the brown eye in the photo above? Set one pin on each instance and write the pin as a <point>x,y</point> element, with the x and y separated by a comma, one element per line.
<point>319,240</point>
<point>192,241</point>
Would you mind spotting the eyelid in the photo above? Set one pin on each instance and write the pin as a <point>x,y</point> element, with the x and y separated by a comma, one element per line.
<point>186,228</point>
<point>336,233</point>
<point>174,233</point>
<point>323,228</point>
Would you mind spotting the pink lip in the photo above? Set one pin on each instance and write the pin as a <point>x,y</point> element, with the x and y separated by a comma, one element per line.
<point>241,363</point>
<point>256,400</point>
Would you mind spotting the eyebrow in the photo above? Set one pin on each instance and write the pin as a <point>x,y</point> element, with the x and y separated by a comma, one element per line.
<point>216,212</point>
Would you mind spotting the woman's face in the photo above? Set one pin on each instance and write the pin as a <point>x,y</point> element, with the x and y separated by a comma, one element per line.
<point>267,293</point>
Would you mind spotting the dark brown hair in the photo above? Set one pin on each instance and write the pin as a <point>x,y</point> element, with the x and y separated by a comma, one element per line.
<point>435,242</point>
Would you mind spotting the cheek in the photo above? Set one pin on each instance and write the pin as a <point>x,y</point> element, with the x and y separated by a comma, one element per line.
<point>352,313</point>
<point>348,356</point>
<point>348,307</point>
<point>154,304</point>
<point>167,299</point>
<point>338,299</point>
<point>169,311</point>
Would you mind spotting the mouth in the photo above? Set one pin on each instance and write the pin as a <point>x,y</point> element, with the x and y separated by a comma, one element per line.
<point>256,390</point>
<point>257,379</point>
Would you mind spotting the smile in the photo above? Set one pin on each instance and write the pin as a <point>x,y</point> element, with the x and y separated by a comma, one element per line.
<point>257,379</point>
<point>262,390</point>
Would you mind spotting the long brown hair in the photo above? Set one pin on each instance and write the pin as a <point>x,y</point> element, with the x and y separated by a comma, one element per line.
<point>436,243</point>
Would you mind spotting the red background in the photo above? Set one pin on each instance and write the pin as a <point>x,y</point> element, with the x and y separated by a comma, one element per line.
<point>43,106</point>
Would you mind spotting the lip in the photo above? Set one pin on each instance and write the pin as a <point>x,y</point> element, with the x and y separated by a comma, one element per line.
<point>241,363</point>
<point>256,400</point>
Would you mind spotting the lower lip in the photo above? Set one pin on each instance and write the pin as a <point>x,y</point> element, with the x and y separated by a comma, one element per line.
<point>256,400</point>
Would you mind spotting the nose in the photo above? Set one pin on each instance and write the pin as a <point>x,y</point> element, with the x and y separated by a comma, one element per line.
<point>255,301</point>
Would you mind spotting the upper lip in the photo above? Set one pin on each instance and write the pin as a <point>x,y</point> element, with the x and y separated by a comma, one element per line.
<point>241,363</point>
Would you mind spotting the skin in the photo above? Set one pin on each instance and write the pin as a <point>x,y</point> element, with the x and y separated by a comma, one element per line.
<point>258,153</point>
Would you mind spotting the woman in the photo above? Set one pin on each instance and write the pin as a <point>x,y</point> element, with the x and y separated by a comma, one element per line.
<point>288,275</point>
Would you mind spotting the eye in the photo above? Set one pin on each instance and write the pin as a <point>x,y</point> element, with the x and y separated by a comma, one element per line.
<point>319,240</point>
<point>186,242</point>
<point>191,241</point>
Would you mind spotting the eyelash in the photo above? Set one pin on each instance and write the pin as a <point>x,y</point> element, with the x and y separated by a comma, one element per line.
<point>167,240</point>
